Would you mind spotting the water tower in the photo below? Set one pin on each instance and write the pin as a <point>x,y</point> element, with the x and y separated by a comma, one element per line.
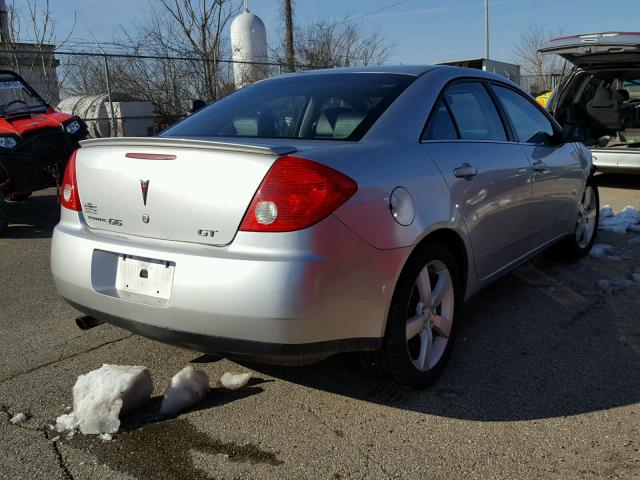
<point>249,44</point>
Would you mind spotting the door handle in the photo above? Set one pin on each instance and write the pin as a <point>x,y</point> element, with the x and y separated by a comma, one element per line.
<point>465,171</point>
<point>539,166</point>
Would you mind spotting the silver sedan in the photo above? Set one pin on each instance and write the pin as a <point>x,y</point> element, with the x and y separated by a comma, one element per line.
<point>323,212</point>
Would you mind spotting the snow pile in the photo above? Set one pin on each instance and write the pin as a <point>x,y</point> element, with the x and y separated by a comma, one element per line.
<point>18,418</point>
<point>614,284</point>
<point>234,381</point>
<point>100,396</point>
<point>627,219</point>
<point>602,250</point>
<point>186,389</point>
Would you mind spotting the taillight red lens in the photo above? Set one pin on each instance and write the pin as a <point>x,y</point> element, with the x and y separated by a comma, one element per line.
<point>69,197</point>
<point>295,194</point>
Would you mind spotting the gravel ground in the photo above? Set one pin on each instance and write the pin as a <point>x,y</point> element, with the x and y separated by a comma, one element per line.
<point>544,383</point>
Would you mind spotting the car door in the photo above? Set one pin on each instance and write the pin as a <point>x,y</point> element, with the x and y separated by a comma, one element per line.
<point>488,175</point>
<point>558,177</point>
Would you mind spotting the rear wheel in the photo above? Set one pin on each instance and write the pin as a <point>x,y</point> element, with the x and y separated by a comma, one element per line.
<point>422,320</point>
<point>585,232</point>
<point>4,221</point>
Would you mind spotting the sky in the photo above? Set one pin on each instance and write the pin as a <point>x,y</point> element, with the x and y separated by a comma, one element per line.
<point>421,31</point>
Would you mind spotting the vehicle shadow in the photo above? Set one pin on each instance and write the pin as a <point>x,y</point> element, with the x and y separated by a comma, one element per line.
<point>33,218</point>
<point>519,356</point>
<point>618,180</point>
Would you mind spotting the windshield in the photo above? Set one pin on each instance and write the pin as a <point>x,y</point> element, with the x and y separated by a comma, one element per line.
<point>16,97</point>
<point>341,106</point>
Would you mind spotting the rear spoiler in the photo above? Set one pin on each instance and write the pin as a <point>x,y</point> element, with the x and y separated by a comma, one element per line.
<point>184,143</point>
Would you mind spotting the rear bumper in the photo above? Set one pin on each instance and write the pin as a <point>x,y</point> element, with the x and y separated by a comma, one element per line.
<point>273,353</point>
<point>282,298</point>
<point>619,161</point>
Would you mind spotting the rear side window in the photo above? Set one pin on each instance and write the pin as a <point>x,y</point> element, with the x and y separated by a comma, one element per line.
<point>341,106</point>
<point>441,126</point>
<point>474,113</point>
<point>529,123</point>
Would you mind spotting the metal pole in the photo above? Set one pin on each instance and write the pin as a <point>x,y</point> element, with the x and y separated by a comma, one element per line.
<point>114,125</point>
<point>486,29</point>
<point>288,22</point>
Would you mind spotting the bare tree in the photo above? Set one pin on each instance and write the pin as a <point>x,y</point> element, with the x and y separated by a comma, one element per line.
<point>175,56</point>
<point>35,24</point>
<point>202,33</point>
<point>326,43</point>
<point>543,68</point>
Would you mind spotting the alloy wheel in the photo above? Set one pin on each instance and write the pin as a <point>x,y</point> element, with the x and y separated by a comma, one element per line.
<point>430,315</point>
<point>587,213</point>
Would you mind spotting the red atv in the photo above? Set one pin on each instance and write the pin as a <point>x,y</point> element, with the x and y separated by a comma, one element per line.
<point>35,141</point>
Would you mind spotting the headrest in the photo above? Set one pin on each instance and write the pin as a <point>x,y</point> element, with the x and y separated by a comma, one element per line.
<point>346,123</point>
<point>602,94</point>
<point>259,125</point>
<point>327,121</point>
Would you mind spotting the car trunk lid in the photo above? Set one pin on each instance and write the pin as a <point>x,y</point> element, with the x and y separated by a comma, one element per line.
<point>171,189</point>
<point>596,49</point>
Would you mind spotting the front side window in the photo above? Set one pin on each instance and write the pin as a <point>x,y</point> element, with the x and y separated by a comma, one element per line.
<point>529,123</point>
<point>319,107</point>
<point>474,113</point>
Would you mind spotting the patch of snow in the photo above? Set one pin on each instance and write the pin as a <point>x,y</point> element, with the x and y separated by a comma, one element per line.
<point>234,381</point>
<point>187,388</point>
<point>66,422</point>
<point>71,433</point>
<point>18,418</point>
<point>636,277</point>
<point>635,240</point>
<point>602,250</point>
<point>627,219</point>
<point>106,437</point>
<point>606,211</point>
<point>100,396</point>
<point>613,284</point>
<point>55,439</point>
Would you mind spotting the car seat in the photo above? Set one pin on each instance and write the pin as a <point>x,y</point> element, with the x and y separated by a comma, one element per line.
<point>326,124</point>
<point>604,109</point>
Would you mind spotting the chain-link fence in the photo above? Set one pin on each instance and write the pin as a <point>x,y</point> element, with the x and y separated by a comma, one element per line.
<point>131,94</point>
<point>539,84</point>
<point>124,94</point>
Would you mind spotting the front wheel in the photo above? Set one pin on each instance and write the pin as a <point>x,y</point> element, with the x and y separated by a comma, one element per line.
<point>421,325</point>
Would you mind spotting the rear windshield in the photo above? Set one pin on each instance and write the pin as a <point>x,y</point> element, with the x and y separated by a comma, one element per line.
<point>319,107</point>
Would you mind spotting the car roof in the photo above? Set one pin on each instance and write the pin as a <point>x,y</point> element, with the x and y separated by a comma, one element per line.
<point>414,70</point>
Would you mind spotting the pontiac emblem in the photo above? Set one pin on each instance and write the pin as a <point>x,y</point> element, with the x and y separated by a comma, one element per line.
<point>144,185</point>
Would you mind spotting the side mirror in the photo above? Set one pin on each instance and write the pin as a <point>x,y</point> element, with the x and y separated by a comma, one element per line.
<point>573,134</point>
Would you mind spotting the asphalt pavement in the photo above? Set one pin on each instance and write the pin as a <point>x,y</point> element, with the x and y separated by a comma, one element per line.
<point>544,383</point>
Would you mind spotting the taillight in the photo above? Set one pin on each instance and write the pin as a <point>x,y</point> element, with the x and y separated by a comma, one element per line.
<point>69,197</point>
<point>295,194</point>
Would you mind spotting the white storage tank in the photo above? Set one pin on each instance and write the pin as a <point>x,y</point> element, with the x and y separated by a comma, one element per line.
<point>249,44</point>
<point>133,118</point>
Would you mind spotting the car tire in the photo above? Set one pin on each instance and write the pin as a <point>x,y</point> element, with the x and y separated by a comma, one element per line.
<point>4,221</point>
<point>422,320</point>
<point>581,240</point>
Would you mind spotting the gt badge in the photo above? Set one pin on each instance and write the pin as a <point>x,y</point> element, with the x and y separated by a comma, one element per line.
<point>144,184</point>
